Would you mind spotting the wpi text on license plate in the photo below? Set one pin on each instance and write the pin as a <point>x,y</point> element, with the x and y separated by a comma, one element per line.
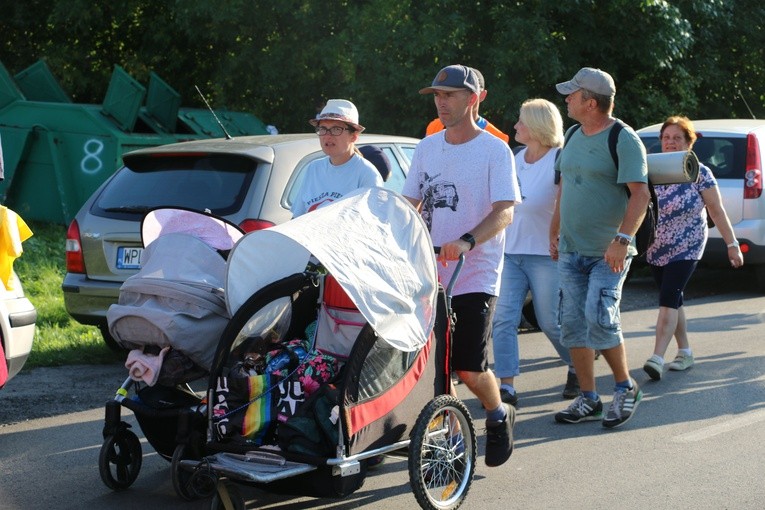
<point>129,257</point>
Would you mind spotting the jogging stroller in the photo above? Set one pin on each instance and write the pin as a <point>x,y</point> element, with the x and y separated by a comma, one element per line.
<point>170,315</point>
<point>325,365</point>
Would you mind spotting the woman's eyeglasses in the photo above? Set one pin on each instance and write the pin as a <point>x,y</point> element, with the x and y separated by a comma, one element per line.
<point>334,130</point>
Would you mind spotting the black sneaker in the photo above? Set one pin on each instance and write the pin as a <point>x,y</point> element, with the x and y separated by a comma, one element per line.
<point>581,409</point>
<point>623,406</point>
<point>499,438</point>
<point>572,386</point>
<point>508,398</point>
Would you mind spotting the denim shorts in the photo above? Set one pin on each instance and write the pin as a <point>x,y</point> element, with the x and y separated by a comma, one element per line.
<point>590,294</point>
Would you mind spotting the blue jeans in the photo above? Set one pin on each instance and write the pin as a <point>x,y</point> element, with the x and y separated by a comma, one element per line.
<point>521,273</point>
<point>590,294</point>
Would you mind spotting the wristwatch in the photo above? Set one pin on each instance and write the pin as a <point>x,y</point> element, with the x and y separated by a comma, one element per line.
<point>468,238</point>
<point>621,240</point>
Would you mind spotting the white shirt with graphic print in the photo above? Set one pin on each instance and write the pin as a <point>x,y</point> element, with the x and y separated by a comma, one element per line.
<point>457,185</point>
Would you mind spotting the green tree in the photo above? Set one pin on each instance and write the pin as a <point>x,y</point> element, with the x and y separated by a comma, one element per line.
<point>282,60</point>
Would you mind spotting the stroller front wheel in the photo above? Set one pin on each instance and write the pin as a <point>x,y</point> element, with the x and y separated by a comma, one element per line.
<point>442,454</point>
<point>120,460</point>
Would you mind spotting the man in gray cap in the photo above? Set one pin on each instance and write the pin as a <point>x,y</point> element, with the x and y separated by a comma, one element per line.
<point>598,221</point>
<point>463,182</point>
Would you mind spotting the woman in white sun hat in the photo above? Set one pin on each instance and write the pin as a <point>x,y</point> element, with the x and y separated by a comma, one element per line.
<point>344,169</point>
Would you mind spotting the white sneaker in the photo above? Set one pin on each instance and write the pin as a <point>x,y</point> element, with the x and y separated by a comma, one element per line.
<point>682,362</point>
<point>653,368</point>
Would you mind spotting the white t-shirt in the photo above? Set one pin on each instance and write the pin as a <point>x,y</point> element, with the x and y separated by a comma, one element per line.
<point>457,185</point>
<point>324,182</point>
<point>529,232</point>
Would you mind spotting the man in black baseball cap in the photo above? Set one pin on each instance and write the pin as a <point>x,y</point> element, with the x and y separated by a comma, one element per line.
<point>463,182</point>
<point>436,125</point>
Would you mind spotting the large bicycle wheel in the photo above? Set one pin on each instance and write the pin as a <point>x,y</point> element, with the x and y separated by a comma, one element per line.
<point>442,454</point>
<point>120,460</point>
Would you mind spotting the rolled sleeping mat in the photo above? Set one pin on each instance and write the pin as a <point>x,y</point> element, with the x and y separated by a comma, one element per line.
<point>673,167</point>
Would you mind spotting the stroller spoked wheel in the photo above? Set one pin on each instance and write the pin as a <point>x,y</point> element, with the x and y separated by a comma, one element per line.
<point>227,497</point>
<point>120,460</point>
<point>190,485</point>
<point>442,454</point>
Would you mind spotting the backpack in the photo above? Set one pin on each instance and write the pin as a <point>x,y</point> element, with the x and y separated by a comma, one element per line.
<point>646,233</point>
<point>313,429</point>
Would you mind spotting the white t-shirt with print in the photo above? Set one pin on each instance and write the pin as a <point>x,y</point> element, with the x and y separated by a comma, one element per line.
<point>457,185</point>
<point>529,232</point>
<point>324,182</point>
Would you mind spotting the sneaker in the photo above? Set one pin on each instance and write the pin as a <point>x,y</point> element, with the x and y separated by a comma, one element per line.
<point>623,406</point>
<point>653,368</point>
<point>572,386</point>
<point>499,438</point>
<point>508,398</point>
<point>581,409</point>
<point>681,362</point>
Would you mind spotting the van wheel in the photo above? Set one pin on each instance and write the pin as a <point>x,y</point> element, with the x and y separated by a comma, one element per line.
<point>759,273</point>
<point>109,340</point>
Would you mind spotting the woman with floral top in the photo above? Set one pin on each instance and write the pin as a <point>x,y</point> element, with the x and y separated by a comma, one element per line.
<point>680,240</point>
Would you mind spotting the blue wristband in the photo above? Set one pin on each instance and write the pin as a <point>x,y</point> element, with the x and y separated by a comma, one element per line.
<point>625,236</point>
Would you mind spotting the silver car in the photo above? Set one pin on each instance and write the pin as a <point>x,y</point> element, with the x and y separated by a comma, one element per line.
<point>732,149</point>
<point>251,181</point>
<point>17,326</point>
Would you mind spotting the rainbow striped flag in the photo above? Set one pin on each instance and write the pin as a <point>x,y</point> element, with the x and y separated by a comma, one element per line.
<point>259,413</point>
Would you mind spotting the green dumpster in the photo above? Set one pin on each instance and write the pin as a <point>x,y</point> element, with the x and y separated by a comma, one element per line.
<point>57,153</point>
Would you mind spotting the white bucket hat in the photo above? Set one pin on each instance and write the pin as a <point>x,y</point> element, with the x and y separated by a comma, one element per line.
<point>339,109</point>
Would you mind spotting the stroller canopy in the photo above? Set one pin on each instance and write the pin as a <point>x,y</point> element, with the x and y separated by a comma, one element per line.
<point>375,245</point>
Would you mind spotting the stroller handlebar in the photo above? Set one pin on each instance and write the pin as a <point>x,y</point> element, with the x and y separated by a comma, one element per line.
<point>455,275</point>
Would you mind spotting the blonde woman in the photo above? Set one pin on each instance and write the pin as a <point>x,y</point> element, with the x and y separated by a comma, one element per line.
<point>528,265</point>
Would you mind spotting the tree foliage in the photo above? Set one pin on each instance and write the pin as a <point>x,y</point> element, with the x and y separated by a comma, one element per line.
<point>281,60</point>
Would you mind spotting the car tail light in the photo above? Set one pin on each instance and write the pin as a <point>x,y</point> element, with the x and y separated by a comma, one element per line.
<point>74,261</point>
<point>753,175</point>
<point>249,225</point>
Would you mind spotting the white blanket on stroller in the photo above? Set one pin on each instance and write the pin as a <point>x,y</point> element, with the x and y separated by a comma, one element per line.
<point>375,245</point>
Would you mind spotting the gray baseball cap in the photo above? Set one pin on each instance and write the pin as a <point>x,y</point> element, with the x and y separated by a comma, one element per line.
<point>453,78</point>
<point>588,78</point>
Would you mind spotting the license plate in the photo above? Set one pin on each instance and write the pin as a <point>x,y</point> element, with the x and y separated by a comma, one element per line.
<point>129,257</point>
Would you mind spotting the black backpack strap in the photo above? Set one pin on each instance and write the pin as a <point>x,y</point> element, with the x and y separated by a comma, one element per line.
<point>566,138</point>
<point>613,140</point>
<point>573,129</point>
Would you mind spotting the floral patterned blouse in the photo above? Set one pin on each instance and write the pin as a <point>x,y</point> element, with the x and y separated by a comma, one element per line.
<point>682,230</point>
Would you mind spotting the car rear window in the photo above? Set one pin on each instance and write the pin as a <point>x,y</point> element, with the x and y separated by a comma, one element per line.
<point>213,182</point>
<point>725,156</point>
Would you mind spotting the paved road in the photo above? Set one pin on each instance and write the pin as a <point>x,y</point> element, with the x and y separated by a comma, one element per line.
<point>696,440</point>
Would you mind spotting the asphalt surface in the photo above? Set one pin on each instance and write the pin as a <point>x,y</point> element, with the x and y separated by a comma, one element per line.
<point>695,441</point>
<point>46,392</point>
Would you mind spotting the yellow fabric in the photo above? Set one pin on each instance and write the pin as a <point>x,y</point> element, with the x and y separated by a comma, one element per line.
<point>13,232</point>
